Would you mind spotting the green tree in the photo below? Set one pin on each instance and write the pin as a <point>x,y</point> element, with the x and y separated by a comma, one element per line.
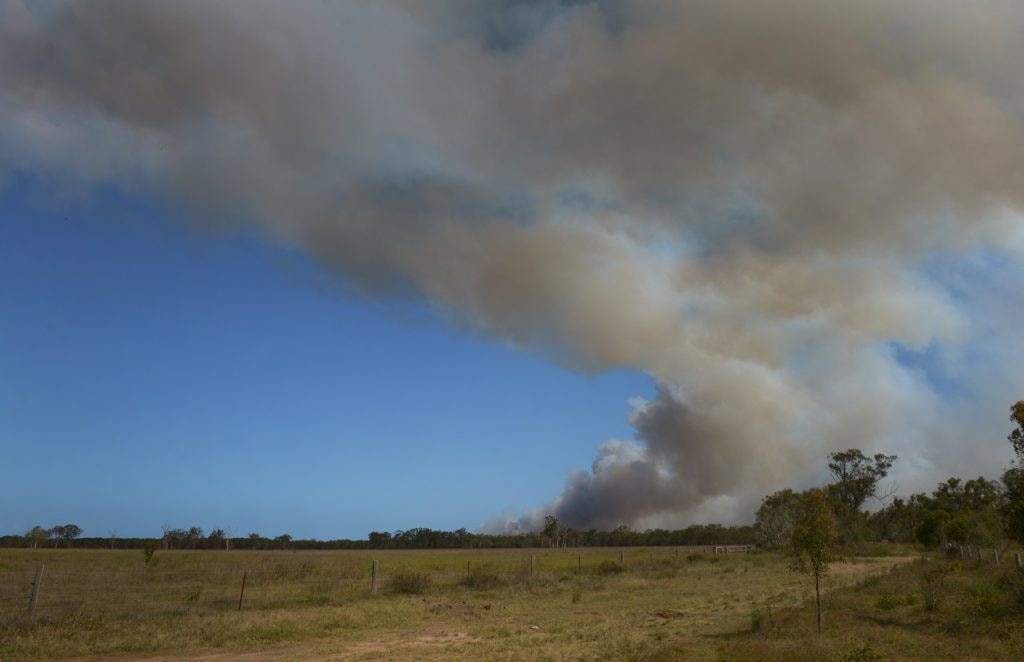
<point>814,542</point>
<point>1013,478</point>
<point>932,529</point>
<point>898,521</point>
<point>857,476</point>
<point>1017,435</point>
<point>64,533</point>
<point>217,539</point>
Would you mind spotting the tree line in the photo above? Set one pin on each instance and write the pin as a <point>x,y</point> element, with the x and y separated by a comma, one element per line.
<point>976,511</point>
<point>417,538</point>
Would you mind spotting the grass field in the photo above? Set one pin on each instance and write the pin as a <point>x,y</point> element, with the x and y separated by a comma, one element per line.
<point>660,604</point>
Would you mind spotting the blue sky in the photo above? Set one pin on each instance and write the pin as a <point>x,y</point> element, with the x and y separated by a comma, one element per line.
<point>779,244</point>
<point>153,374</point>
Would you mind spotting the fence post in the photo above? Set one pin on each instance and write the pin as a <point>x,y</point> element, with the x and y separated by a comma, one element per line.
<point>995,555</point>
<point>579,564</point>
<point>241,593</point>
<point>373,578</point>
<point>35,589</point>
<point>622,557</point>
<point>1016,557</point>
<point>963,554</point>
<point>533,565</point>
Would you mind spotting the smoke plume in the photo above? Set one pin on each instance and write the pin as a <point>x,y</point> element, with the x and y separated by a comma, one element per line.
<point>799,218</point>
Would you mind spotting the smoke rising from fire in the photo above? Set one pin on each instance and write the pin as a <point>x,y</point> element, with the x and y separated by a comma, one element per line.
<point>798,217</point>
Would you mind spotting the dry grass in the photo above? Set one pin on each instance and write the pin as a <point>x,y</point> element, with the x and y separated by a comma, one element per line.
<point>305,605</point>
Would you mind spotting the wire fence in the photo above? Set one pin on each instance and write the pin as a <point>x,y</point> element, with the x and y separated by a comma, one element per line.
<point>119,583</point>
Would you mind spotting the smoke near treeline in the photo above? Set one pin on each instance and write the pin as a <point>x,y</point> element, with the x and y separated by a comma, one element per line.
<point>800,218</point>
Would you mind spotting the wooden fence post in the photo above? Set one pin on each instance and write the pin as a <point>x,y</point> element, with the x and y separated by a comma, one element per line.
<point>622,557</point>
<point>533,565</point>
<point>35,589</point>
<point>1017,558</point>
<point>579,564</point>
<point>241,594</point>
<point>963,554</point>
<point>995,555</point>
<point>373,578</point>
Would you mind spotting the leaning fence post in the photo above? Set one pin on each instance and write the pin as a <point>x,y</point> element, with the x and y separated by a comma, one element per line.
<point>373,578</point>
<point>995,555</point>
<point>35,589</point>
<point>241,594</point>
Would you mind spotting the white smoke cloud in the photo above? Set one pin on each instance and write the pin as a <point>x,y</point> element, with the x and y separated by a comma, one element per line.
<point>746,201</point>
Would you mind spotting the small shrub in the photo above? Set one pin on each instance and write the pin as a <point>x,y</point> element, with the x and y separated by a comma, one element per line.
<point>910,599</point>
<point>1013,585</point>
<point>889,601</point>
<point>988,599</point>
<point>935,580</point>
<point>608,567</point>
<point>862,654</point>
<point>757,620</point>
<point>411,582</point>
<point>695,556</point>
<point>149,553</point>
<point>482,577</point>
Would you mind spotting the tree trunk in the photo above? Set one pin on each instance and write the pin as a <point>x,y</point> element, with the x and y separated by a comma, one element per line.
<point>817,598</point>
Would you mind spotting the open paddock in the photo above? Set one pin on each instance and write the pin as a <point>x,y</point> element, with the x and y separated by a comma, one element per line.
<point>565,604</point>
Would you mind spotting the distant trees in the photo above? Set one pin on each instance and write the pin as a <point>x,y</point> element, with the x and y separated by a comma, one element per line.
<point>776,517</point>
<point>857,476</point>
<point>856,480</point>
<point>193,538</point>
<point>554,533</point>
<point>36,535</point>
<point>216,539</point>
<point>64,533</point>
<point>961,512</point>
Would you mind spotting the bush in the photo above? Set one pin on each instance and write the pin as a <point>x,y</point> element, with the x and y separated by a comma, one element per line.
<point>608,567</point>
<point>411,581</point>
<point>149,553</point>
<point>483,577</point>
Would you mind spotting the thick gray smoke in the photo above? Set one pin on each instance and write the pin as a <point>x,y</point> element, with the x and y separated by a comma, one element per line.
<point>800,218</point>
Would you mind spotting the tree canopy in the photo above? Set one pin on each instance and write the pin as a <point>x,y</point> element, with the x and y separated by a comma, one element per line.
<point>857,476</point>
